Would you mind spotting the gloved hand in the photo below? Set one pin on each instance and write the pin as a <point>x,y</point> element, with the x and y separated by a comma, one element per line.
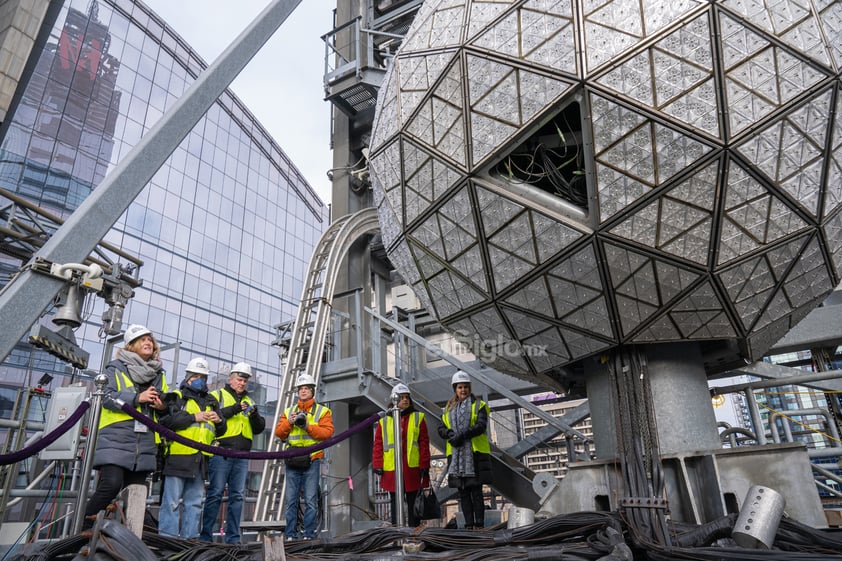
<point>300,420</point>
<point>378,471</point>
<point>424,473</point>
<point>457,439</point>
<point>450,434</point>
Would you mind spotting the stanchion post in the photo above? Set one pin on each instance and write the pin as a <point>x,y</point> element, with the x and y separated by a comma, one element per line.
<point>100,381</point>
<point>400,513</point>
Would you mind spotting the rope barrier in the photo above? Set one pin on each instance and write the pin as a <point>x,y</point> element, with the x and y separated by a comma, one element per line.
<point>76,416</point>
<point>46,440</point>
<point>228,453</point>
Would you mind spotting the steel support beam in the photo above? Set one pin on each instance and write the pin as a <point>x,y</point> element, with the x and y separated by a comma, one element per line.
<point>778,375</point>
<point>547,433</point>
<point>27,295</point>
<point>481,377</point>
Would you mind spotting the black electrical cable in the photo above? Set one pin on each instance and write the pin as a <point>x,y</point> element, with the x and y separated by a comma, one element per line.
<point>55,549</point>
<point>585,536</point>
<point>793,536</point>
<point>694,535</point>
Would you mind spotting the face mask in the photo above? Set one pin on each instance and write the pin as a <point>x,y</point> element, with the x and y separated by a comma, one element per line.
<point>198,384</point>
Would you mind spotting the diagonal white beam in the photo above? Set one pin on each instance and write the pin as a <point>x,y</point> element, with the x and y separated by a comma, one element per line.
<point>27,295</point>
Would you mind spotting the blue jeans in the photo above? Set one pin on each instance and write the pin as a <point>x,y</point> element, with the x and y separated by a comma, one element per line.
<point>190,491</point>
<point>221,472</point>
<point>306,480</point>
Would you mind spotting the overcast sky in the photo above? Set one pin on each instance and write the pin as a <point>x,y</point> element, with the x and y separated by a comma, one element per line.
<point>282,85</point>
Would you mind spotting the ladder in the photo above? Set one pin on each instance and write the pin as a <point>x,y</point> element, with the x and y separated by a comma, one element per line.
<point>307,342</point>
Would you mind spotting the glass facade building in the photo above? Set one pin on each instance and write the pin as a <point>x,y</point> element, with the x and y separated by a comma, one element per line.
<point>226,227</point>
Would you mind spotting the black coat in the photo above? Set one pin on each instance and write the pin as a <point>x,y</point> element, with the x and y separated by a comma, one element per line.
<point>188,465</point>
<point>123,443</point>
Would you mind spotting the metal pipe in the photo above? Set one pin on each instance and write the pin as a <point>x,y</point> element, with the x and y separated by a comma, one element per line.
<point>10,424</point>
<point>26,493</point>
<point>733,431</point>
<point>756,419</point>
<point>100,381</point>
<point>815,411</point>
<point>773,430</point>
<point>68,508</point>
<point>723,434</point>
<point>400,512</point>
<point>357,327</point>
<point>777,382</point>
<point>15,439</point>
<point>35,481</point>
<point>825,453</point>
<point>821,470</point>
<point>828,488</point>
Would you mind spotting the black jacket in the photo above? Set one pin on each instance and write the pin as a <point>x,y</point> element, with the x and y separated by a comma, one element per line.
<point>119,443</point>
<point>178,419</point>
<point>256,420</point>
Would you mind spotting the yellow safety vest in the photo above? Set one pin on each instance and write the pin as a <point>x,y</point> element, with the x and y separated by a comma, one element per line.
<point>237,424</point>
<point>198,432</point>
<point>413,454</point>
<point>480,442</point>
<point>298,437</point>
<point>109,417</point>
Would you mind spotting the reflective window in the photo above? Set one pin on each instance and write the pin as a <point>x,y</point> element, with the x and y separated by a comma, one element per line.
<point>211,227</point>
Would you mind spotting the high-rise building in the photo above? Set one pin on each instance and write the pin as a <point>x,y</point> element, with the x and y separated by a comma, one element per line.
<point>226,227</point>
<point>553,456</point>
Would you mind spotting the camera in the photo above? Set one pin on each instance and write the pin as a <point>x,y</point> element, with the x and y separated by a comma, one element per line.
<point>300,420</point>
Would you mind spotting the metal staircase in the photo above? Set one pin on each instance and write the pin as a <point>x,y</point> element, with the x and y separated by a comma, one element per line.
<point>306,338</point>
<point>307,341</point>
<point>512,479</point>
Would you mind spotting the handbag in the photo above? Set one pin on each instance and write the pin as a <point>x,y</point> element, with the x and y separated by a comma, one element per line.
<point>427,505</point>
<point>298,462</point>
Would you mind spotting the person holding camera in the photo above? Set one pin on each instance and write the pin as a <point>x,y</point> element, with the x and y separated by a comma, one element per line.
<point>305,424</point>
<point>193,414</point>
<point>244,421</point>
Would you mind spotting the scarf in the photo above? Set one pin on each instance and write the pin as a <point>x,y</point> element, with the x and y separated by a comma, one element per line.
<point>140,371</point>
<point>462,458</point>
<point>306,406</point>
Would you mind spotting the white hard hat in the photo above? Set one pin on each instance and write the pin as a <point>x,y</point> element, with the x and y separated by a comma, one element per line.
<point>460,377</point>
<point>198,366</point>
<point>242,368</point>
<point>134,332</point>
<point>399,389</point>
<point>304,380</point>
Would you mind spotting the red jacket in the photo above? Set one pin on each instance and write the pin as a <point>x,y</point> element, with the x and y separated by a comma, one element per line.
<point>411,476</point>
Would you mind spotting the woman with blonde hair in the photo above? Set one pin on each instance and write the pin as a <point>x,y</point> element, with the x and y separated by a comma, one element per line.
<point>126,450</point>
